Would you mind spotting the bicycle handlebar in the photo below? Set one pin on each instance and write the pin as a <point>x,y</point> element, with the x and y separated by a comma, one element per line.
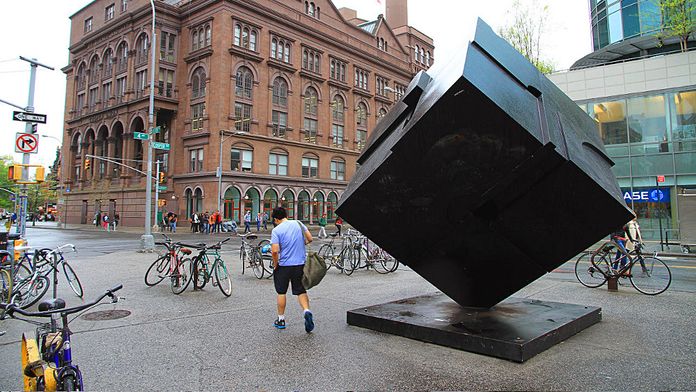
<point>11,308</point>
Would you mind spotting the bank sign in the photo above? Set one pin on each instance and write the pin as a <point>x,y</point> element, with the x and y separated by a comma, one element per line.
<point>651,195</point>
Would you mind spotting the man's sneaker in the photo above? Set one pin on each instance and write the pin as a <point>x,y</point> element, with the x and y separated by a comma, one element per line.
<point>280,324</point>
<point>308,322</point>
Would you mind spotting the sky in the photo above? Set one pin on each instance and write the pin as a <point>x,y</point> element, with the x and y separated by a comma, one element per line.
<point>41,29</point>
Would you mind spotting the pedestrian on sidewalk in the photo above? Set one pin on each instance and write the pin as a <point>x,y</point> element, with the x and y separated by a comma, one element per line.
<point>633,233</point>
<point>97,218</point>
<point>247,222</point>
<point>172,223</point>
<point>105,221</point>
<point>117,219</point>
<point>265,220</point>
<point>339,224</point>
<point>218,221</point>
<point>322,227</point>
<point>259,217</point>
<point>194,223</point>
<point>288,240</point>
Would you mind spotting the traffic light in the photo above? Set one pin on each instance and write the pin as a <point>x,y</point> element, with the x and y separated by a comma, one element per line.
<point>161,178</point>
<point>14,172</point>
<point>87,163</point>
<point>40,175</point>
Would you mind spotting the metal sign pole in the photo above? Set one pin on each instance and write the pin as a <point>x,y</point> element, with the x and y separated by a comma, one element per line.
<point>157,194</point>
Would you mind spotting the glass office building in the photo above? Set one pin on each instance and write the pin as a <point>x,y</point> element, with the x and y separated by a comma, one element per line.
<point>617,20</point>
<point>648,136</point>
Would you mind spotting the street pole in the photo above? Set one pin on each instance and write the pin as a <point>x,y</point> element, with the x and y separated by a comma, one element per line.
<point>147,241</point>
<point>659,212</point>
<point>157,193</point>
<point>219,175</point>
<point>22,219</point>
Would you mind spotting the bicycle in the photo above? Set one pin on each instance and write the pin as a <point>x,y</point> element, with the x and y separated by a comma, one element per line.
<point>346,259</point>
<point>203,271</point>
<point>651,277</point>
<point>47,360</point>
<point>5,284</point>
<point>47,260</point>
<point>29,282</point>
<point>172,265</point>
<point>372,256</point>
<point>252,254</point>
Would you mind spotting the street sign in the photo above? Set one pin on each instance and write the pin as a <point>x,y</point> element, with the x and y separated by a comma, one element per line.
<point>160,146</point>
<point>660,178</point>
<point>156,130</point>
<point>29,117</point>
<point>140,136</point>
<point>26,143</point>
<point>161,188</point>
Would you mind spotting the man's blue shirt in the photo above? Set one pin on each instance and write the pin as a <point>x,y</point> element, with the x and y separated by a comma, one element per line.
<point>291,239</point>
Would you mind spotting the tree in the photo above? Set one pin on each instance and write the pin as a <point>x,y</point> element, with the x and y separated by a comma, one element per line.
<point>5,201</point>
<point>678,19</point>
<point>526,31</point>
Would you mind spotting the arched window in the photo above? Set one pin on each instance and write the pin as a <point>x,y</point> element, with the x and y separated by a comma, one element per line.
<point>108,61</point>
<point>310,115</point>
<point>201,38</point>
<point>194,40</point>
<point>198,200</point>
<point>141,47</point>
<point>189,203</point>
<point>81,77</point>
<point>338,107</point>
<point>198,83</point>
<point>422,55</point>
<point>278,162</point>
<point>122,57</point>
<point>310,166</point>
<point>241,158</point>
<point>417,54</point>
<point>280,92</point>
<point>94,70</point>
<point>361,126</point>
<point>382,113</point>
<point>208,35</point>
<point>427,58</point>
<point>244,83</point>
<point>274,48</point>
<point>237,35</point>
<point>252,40</point>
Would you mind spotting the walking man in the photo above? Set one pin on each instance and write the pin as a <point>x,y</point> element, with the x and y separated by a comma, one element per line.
<point>247,222</point>
<point>322,227</point>
<point>288,240</point>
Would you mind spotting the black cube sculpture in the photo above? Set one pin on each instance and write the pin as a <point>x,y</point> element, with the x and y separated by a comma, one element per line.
<point>484,176</point>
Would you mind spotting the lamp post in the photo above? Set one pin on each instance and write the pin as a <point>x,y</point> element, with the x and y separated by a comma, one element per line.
<point>146,240</point>
<point>219,168</point>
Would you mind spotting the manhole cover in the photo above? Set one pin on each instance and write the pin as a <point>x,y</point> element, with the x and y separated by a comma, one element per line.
<point>106,315</point>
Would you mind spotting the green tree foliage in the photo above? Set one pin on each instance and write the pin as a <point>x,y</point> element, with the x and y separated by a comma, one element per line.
<point>678,19</point>
<point>5,201</point>
<point>526,31</point>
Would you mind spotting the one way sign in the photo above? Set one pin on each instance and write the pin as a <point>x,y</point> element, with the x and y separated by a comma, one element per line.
<point>29,117</point>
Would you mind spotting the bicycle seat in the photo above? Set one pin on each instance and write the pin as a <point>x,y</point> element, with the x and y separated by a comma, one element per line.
<point>186,251</point>
<point>251,236</point>
<point>333,234</point>
<point>51,304</point>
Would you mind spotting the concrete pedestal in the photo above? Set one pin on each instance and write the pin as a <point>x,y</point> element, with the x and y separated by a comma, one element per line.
<point>516,329</point>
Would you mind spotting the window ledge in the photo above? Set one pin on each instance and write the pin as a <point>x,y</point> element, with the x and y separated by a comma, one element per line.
<point>199,54</point>
<point>245,54</point>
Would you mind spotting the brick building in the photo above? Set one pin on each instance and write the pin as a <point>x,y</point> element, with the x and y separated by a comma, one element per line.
<point>283,92</point>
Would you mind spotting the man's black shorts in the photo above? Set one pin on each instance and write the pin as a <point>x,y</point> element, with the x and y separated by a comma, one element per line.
<point>284,275</point>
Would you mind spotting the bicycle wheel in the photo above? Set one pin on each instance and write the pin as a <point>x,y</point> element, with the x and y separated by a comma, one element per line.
<point>181,276</point>
<point>223,278</point>
<point>73,280</point>
<point>347,261</point>
<point>326,251</point>
<point>266,259</point>
<point>69,383</point>
<point>650,275</point>
<point>155,273</point>
<point>257,263</point>
<point>5,286</point>
<point>30,294</point>
<point>200,273</point>
<point>242,256</point>
<point>589,275</point>
<point>389,262</point>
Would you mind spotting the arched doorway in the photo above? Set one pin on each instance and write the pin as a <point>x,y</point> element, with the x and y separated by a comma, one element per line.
<point>317,206</point>
<point>198,200</point>
<point>188,196</point>
<point>288,202</point>
<point>270,201</point>
<point>252,202</point>
<point>331,203</point>
<point>303,206</point>
<point>232,206</point>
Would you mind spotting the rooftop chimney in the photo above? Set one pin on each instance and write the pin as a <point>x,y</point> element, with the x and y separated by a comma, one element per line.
<point>397,13</point>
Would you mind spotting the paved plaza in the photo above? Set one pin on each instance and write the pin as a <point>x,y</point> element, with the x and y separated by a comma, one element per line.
<point>204,341</point>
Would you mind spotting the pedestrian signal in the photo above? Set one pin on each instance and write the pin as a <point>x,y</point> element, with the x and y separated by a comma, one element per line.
<point>161,178</point>
<point>14,172</point>
<point>40,174</point>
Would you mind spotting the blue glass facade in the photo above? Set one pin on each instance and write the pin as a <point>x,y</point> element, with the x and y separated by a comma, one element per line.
<point>648,136</point>
<point>617,20</point>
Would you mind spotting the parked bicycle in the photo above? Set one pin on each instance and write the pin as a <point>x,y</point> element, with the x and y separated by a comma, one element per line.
<point>374,257</point>
<point>47,360</point>
<point>203,270</point>
<point>171,264</point>
<point>345,257</point>
<point>648,274</point>
<point>26,286</point>
<point>253,257</point>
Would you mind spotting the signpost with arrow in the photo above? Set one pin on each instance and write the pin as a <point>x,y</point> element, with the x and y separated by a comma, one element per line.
<point>29,117</point>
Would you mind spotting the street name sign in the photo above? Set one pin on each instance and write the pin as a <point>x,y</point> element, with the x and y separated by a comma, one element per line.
<point>140,136</point>
<point>161,188</point>
<point>29,117</point>
<point>26,143</point>
<point>160,146</point>
<point>156,130</point>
